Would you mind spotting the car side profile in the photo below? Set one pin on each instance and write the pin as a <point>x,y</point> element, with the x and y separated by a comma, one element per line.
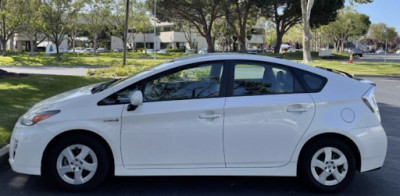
<point>214,115</point>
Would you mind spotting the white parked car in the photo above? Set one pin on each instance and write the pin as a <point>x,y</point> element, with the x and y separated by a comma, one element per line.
<point>380,51</point>
<point>213,115</point>
<point>398,51</point>
<point>78,50</point>
<point>88,50</point>
<point>100,50</point>
<point>162,51</point>
<point>149,51</point>
<point>203,51</point>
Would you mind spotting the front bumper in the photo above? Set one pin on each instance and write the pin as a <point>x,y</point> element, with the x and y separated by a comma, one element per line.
<point>372,143</point>
<point>26,148</point>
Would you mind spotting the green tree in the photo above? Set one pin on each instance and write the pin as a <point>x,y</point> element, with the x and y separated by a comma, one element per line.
<point>200,13</point>
<point>95,13</point>
<point>55,14</point>
<point>31,25</point>
<point>380,33</point>
<point>11,18</point>
<point>241,15</point>
<point>349,24</point>
<point>309,7</point>
<point>287,13</point>
<point>142,23</point>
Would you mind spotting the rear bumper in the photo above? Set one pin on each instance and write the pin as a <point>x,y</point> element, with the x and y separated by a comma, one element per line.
<point>372,144</point>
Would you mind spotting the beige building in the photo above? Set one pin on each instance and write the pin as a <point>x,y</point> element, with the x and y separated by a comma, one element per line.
<point>20,42</point>
<point>168,38</point>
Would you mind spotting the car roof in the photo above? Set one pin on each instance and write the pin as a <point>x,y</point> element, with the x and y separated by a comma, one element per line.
<point>198,58</point>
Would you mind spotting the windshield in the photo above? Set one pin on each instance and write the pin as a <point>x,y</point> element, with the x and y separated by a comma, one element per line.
<point>141,72</point>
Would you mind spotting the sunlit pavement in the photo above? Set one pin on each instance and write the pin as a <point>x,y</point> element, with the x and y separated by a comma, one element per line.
<point>382,182</point>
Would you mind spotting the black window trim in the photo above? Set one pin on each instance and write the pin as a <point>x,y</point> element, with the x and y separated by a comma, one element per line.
<point>142,82</point>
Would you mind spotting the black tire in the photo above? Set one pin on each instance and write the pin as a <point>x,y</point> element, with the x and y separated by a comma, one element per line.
<point>49,163</point>
<point>361,55</point>
<point>305,168</point>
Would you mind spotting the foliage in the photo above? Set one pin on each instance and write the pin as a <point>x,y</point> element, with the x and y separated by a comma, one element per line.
<point>381,32</point>
<point>55,14</point>
<point>19,94</point>
<point>11,17</point>
<point>95,13</point>
<point>241,15</point>
<point>284,14</point>
<point>349,25</point>
<point>30,26</point>
<point>200,13</point>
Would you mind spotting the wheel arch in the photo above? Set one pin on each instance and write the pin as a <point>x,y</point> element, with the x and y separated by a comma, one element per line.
<point>333,136</point>
<point>81,132</point>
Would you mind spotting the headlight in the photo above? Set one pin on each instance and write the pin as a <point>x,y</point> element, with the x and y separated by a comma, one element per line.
<point>35,117</point>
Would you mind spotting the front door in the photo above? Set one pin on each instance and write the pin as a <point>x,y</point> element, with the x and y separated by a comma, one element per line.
<point>180,122</point>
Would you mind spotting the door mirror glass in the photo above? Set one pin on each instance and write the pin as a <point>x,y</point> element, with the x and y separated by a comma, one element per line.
<point>137,98</point>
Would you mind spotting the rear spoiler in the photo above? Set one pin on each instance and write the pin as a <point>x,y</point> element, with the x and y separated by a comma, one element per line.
<point>348,75</point>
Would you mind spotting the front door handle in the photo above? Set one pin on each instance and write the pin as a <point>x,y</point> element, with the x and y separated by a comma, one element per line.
<point>297,108</point>
<point>210,116</point>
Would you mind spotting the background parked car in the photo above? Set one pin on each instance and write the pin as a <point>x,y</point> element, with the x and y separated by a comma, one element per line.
<point>162,51</point>
<point>118,50</point>
<point>357,52</point>
<point>77,49</point>
<point>99,50</point>
<point>203,51</point>
<point>398,51</point>
<point>88,50</point>
<point>380,51</point>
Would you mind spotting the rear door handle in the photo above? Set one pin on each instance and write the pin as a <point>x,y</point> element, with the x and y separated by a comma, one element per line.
<point>210,116</point>
<point>297,108</point>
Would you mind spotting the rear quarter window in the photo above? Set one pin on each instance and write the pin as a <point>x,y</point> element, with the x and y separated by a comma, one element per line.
<point>312,82</point>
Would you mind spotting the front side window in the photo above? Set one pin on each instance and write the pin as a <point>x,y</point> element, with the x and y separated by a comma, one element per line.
<point>201,81</point>
<point>254,78</point>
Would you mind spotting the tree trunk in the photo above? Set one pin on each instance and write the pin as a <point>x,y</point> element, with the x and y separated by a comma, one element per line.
<point>145,47</point>
<point>73,40</point>
<point>210,43</point>
<point>94,44</point>
<point>278,44</point>
<point>4,46</point>
<point>242,39</point>
<point>58,58</point>
<point>32,47</point>
<point>306,6</point>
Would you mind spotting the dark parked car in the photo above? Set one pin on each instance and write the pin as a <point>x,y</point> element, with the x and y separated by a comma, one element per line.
<point>357,52</point>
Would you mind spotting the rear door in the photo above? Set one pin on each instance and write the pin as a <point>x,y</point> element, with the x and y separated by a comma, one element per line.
<point>265,116</point>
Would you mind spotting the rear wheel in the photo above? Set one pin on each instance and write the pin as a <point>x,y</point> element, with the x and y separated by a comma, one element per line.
<point>328,165</point>
<point>76,163</point>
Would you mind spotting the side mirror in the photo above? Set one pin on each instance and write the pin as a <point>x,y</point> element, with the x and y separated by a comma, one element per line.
<point>136,100</point>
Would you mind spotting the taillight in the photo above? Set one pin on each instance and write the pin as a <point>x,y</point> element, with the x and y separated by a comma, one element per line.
<point>369,100</point>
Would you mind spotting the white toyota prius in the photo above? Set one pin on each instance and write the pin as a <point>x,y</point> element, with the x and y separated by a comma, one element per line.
<point>214,115</point>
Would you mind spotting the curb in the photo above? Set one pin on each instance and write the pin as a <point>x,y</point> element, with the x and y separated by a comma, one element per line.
<point>4,154</point>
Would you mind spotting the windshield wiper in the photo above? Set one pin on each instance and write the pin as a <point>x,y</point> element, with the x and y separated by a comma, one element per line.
<point>102,86</point>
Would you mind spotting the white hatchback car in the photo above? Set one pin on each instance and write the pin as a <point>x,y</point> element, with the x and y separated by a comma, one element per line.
<point>214,115</point>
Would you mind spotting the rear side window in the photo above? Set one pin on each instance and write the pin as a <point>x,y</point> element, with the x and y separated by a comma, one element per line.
<point>313,83</point>
<point>260,78</point>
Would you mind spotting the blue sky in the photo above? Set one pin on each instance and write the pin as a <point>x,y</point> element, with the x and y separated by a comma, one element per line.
<point>386,11</point>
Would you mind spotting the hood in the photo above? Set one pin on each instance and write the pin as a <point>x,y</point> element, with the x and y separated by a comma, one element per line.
<point>69,95</point>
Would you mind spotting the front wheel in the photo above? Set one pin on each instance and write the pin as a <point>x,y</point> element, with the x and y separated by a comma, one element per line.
<point>328,165</point>
<point>76,163</point>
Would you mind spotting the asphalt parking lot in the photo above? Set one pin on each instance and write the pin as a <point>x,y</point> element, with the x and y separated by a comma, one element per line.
<point>382,182</point>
